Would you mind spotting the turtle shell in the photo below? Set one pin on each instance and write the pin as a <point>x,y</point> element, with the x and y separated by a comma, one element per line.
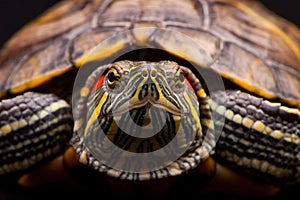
<point>249,45</point>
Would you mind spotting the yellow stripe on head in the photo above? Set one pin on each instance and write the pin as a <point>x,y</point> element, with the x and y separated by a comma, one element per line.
<point>95,113</point>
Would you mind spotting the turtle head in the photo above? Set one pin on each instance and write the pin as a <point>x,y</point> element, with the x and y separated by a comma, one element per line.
<point>129,86</point>
<point>141,84</point>
<point>140,117</point>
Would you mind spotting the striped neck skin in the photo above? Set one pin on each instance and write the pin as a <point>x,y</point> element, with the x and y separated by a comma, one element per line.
<point>142,106</point>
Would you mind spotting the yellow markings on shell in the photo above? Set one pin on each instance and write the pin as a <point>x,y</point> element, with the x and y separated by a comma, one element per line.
<point>249,86</point>
<point>95,114</point>
<point>36,81</point>
<point>259,126</point>
<point>277,30</point>
<point>108,49</point>
<point>34,64</point>
<point>247,122</point>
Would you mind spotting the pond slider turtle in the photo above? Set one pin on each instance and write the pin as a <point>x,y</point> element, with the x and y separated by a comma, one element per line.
<point>142,91</point>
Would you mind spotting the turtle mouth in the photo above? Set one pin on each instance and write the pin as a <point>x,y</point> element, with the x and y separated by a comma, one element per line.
<point>127,107</point>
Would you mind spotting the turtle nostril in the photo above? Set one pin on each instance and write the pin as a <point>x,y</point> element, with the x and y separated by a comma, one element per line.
<point>145,73</point>
<point>153,73</point>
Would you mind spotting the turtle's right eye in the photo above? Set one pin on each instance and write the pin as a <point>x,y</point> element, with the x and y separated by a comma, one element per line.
<point>112,78</point>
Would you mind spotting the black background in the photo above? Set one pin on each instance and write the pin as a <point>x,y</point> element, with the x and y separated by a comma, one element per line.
<point>15,13</point>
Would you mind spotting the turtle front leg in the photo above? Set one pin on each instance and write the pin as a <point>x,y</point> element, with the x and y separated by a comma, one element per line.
<point>34,128</point>
<point>258,141</point>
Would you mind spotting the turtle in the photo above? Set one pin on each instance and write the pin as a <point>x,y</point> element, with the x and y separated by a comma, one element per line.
<point>138,93</point>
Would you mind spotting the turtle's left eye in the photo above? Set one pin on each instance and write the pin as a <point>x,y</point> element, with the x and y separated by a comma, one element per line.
<point>112,78</point>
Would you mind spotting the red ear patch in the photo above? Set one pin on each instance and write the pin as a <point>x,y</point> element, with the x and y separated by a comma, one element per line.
<point>98,83</point>
<point>188,84</point>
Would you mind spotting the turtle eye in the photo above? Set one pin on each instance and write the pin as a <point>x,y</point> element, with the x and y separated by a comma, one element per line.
<point>112,78</point>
